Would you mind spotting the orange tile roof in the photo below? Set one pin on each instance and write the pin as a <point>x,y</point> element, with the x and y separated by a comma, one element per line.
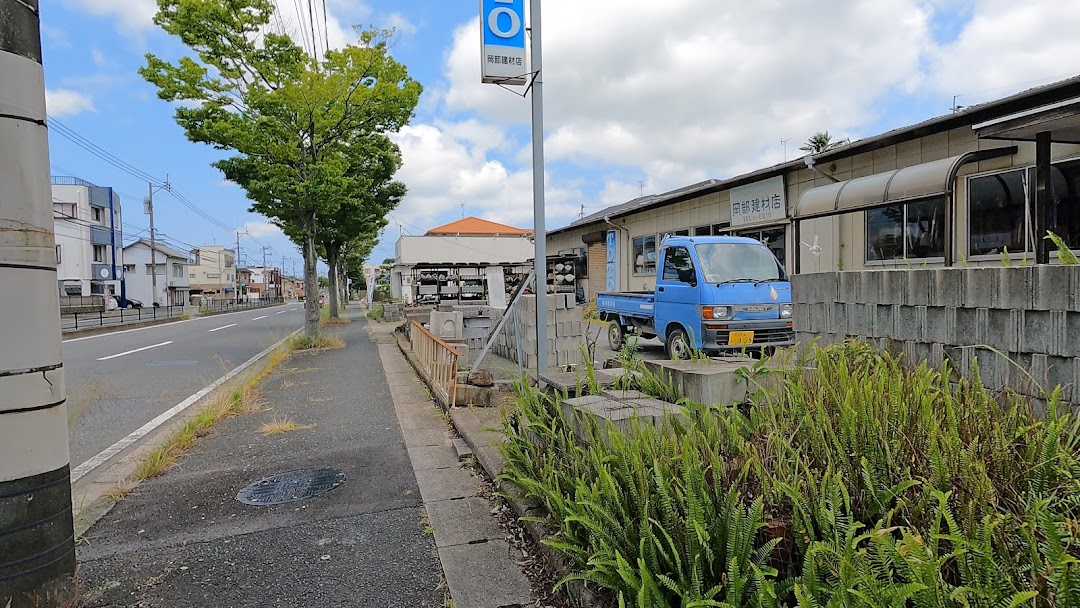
<point>474,226</point>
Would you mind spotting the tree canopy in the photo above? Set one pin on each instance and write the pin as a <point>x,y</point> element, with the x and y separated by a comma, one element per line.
<point>821,142</point>
<point>305,131</point>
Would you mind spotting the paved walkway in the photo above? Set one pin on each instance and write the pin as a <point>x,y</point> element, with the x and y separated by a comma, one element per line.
<point>405,513</point>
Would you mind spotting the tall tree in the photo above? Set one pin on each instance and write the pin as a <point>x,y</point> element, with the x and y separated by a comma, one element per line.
<point>821,142</point>
<point>362,211</point>
<point>293,121</point>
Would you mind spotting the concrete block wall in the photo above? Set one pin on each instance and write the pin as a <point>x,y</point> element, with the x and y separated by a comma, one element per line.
<point>565,331</point>
<point>1032,314</point>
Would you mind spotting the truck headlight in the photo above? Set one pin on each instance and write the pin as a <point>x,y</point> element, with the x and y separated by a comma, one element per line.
<point>785,311</point>
<point>716,312</point>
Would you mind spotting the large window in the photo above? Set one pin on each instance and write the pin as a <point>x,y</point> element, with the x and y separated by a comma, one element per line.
<point>678,266</point>
<point>773,238</point>
<point>96,213</point>
<point>997,206</point>
<point>64,210</point>
<point>1065,206</point>
<point>912,231</point>
<point>99,254</point>
<point>645,254</point>
<point>178,271</point>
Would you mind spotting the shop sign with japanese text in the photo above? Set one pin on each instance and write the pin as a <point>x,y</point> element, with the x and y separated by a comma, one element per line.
<point>758,203</point>
<point>502,49</point>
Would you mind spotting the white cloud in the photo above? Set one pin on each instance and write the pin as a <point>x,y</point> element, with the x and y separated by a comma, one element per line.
<point>680,91</point>
<point>65,102</point>
<point>99,58</point>
<point>1006,47</point>
<point>262,228</point>
<point>442,171</point>
<point>134,14</point>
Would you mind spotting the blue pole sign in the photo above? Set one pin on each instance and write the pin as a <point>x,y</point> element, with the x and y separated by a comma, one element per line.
<point>612,283</point>
<point>502,49</point>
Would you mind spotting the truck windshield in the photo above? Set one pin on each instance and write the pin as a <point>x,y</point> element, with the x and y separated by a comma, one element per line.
<point>738,262</point>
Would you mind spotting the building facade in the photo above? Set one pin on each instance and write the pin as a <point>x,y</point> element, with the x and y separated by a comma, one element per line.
<point>213,273</point>
<point>956,189</point>
<point>88,223</point>
<point>171,268</point>
<point>453,259</point>
<point>264,283</point>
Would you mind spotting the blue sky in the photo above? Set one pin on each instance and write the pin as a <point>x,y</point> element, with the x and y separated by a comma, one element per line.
<point>640,96</point>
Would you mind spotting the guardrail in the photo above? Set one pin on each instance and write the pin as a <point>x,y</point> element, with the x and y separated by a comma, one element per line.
<point>120,316</point>
<point>439,359</point>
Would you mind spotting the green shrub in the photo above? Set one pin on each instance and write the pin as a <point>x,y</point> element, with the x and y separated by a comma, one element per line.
<point>853,481</point>
<point>376,312</point>
<point>590,312</point>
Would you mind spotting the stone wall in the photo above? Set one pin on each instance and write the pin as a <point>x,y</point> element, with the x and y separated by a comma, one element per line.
<point>1032,314</point>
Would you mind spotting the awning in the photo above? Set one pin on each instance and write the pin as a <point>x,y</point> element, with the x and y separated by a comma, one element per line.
<point>1061,120</point>
<point>916,182</point>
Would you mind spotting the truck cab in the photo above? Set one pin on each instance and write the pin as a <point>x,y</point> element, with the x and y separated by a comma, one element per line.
<point>713,294</point>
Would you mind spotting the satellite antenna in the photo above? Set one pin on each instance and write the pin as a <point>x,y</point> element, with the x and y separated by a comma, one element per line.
<point>815,249</point>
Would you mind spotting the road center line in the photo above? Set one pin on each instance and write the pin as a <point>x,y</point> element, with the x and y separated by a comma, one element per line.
<point>282,312</point>
<point>262,317</point>
<point>223,327</point>
<point>128,352</point>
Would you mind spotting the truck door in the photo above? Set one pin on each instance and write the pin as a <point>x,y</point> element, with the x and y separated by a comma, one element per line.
<point>677,298</point>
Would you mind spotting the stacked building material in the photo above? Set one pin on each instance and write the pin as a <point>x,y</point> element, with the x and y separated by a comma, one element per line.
<point>564,328</point>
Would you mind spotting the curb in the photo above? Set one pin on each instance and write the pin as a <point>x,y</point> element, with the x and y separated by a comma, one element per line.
<point>88,493</point>
<point>487,454</point>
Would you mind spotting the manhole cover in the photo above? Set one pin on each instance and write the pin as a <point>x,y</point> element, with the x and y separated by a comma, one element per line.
<point>171,363</point>
<point>291,486</point>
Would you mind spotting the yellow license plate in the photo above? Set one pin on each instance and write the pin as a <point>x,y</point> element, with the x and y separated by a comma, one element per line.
<point>740,338</point>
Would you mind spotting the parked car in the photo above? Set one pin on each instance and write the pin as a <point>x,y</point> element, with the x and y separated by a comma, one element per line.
<point>713,293</point>
<point>133,303</point>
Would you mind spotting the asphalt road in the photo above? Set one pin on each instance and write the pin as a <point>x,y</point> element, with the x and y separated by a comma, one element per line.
<point>119,381</point>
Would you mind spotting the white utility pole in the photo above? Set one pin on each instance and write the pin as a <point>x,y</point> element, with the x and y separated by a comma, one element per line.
<point>266,287</point>
<point>37,547</point>
<point>539,231</point>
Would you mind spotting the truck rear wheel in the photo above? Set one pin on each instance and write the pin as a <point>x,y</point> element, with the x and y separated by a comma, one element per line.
<point>678,344</point>
<point>615,335</point>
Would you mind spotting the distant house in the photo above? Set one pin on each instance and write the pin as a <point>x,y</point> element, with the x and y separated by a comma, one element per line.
<point>170,266</point>
<point>89,239</point>
<point>214,272</point>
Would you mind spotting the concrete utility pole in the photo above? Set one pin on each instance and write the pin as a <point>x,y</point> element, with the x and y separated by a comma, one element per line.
<point>539,231</point>
<point>153,236</point>
<point>37,547</point>
<point>266,287</point>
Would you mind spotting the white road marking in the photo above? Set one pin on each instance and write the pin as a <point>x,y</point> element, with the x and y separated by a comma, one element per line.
<point>128,352</point>
<point>223,327</point>
<point>282,312</point>
<point>262,317</point>
<point>80,471</point>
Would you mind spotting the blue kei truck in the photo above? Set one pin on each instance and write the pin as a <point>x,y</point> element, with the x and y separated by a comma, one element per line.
<point>713,294</point>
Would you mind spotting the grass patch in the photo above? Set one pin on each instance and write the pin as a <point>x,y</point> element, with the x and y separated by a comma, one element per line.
<point>319,342</point>
<point>279,426</point>
<point>205,310</point>
<point>185,317</point>
<point>122,489</point>
<point>854,480</point>
<point>245,399</point>
<point>337,321</point>
<point>376,312</point>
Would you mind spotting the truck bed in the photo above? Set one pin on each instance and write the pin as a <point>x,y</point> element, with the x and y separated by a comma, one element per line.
<point>628,303</point>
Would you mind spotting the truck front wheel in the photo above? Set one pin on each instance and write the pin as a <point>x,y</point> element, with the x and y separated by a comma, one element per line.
<point>615,335</point>
<point>678,344</point>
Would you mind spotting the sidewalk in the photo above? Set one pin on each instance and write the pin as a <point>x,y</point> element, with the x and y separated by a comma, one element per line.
<point>183,539</point>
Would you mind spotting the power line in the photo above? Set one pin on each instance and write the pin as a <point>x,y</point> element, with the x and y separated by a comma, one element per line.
<point>100,152</point>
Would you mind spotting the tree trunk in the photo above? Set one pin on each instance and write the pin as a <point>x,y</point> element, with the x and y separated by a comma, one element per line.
<point>332,261</point>
<point>311,283</point>
<point>343,282</point>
